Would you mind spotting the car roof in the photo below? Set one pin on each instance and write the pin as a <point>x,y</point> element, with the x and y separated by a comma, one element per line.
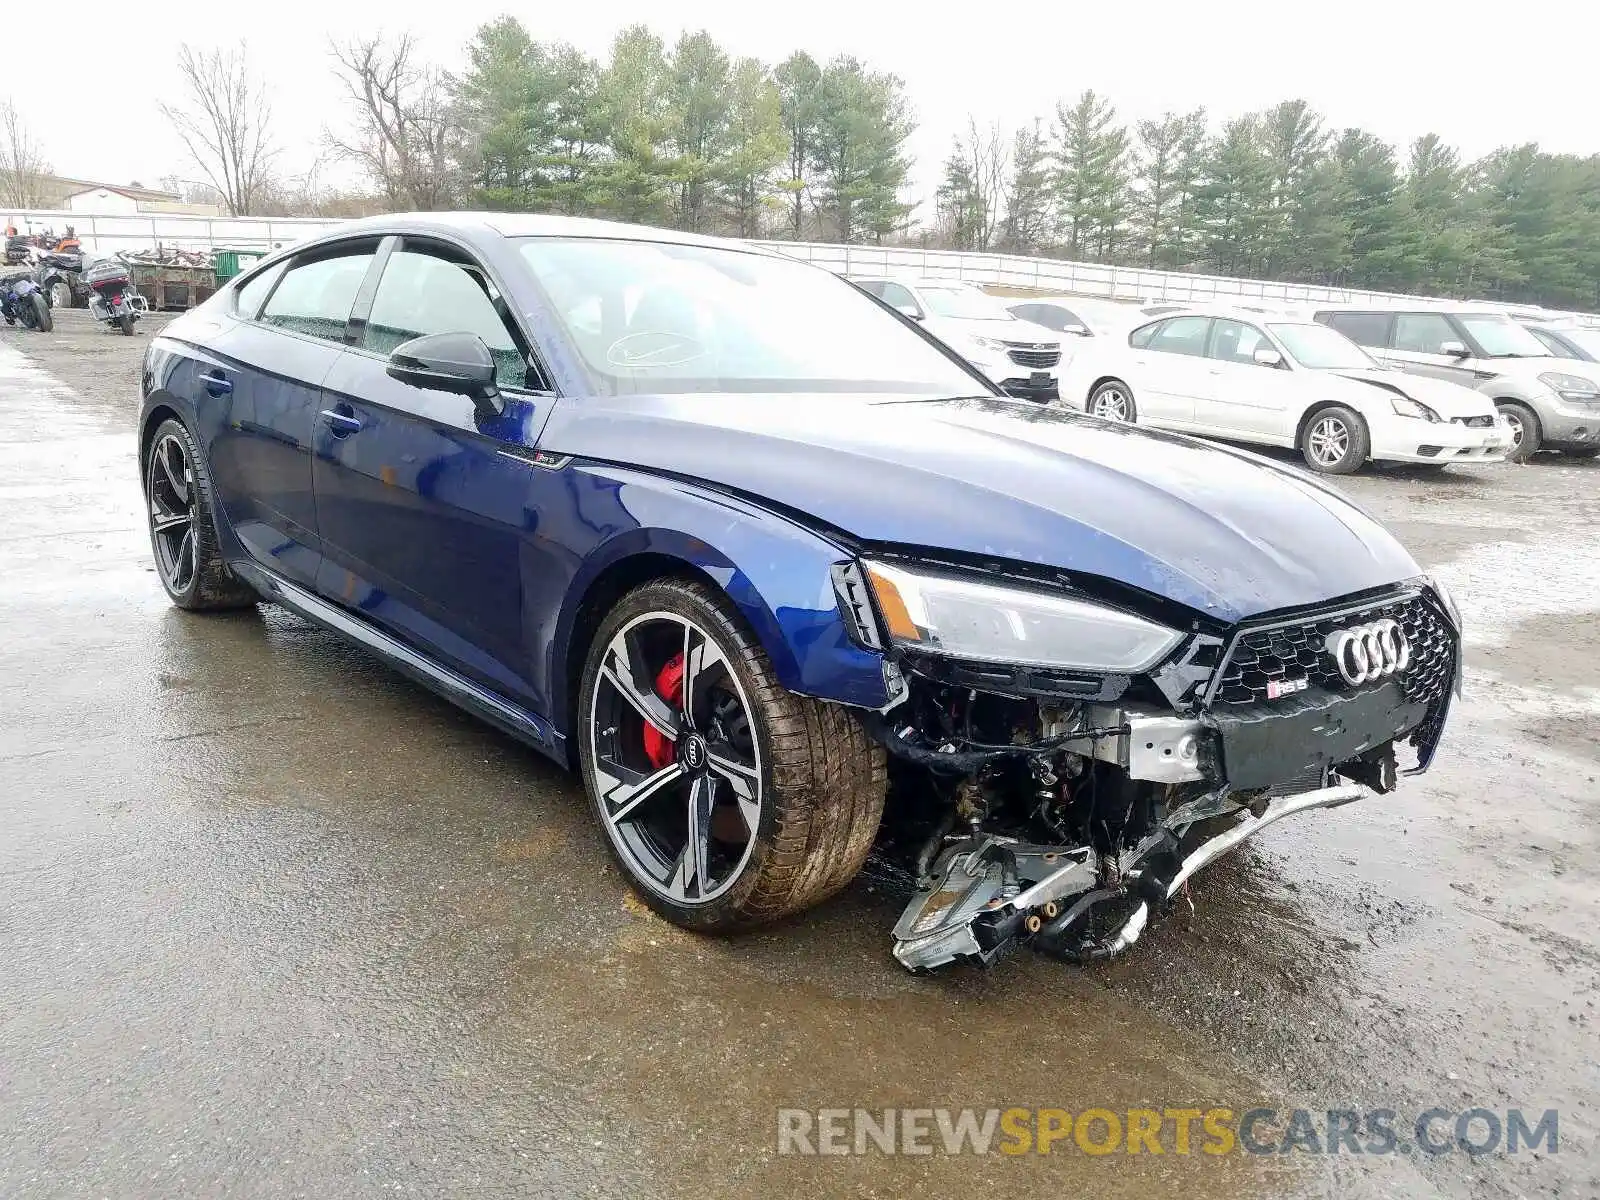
<point>492,224</point>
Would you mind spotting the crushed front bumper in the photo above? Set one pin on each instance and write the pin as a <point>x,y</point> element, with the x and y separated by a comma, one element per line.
<point>983,898</point>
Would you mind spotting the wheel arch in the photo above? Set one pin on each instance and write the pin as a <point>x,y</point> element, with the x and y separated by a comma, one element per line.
<point>151,420</point>
<point>774,572</point>
<point>1322,406</point>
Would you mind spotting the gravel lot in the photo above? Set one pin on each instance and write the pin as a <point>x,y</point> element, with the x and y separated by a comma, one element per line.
<point>279,923</point>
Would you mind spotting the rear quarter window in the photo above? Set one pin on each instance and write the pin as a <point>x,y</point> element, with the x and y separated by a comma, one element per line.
<point>1364,329</point>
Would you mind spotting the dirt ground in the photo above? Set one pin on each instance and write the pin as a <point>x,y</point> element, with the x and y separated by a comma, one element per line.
<point>279,923</point>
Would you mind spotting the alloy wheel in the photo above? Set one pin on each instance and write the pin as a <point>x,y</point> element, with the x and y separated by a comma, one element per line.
<point>1329,441</point>
<point>677,771</point>
<point>1111,404</point>
<point>170,489</point>
<point>1516,428</point>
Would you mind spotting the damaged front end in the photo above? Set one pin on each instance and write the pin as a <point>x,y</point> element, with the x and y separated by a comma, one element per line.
<point>1064,795</point>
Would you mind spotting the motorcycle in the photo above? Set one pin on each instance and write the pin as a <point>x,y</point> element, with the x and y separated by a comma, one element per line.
<point>23,302</point>
<point>113,299</point>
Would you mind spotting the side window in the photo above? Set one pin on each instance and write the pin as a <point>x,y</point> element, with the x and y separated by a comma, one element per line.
<point>897,295</point>
<point>315,297</point>
<point>424,293</point>
<point>247,299</point>
<point>1423,333</point>
<point>1182,335</point>
<point>1139,339</point>
<point>1236,342</point>
<point>1364,329</point>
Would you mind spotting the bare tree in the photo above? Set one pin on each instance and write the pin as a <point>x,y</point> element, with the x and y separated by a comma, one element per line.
<point>990,160</point>
<point>225,123</point>
<point>22,165</point>
<point>406,131</point>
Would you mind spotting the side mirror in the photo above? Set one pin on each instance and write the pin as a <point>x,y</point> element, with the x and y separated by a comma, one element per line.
<point>1268,357</point>
<point>1454,349</point>
<point>458,363</point>
<point>909,310</point>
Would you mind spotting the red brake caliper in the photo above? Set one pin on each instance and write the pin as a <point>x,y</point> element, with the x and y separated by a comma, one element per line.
<point>658,747</point>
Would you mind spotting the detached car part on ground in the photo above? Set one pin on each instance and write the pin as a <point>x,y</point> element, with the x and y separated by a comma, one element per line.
<point>785,592</point>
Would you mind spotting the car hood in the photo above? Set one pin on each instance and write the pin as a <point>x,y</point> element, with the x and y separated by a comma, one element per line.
<point>1445,398</point>
<point>1219,530</point>
<point>956,329</point>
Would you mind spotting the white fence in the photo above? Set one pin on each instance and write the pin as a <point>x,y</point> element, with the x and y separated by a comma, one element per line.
<point>106,234</point>
<point>1057,275</point>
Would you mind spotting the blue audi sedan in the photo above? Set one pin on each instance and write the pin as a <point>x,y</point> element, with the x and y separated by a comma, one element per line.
<point>784,578</point>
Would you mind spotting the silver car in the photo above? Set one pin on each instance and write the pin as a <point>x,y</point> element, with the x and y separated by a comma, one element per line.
<point>1550,403</point>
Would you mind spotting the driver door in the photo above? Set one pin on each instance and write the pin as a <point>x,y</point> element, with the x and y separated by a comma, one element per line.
<point>423,500</point>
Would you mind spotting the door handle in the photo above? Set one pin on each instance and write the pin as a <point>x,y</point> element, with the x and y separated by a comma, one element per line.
<point>340,423</point>
<point>217,384</point>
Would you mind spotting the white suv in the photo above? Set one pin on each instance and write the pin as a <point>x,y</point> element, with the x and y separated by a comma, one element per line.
<point>1551,403</point>
<point>1021,357</point>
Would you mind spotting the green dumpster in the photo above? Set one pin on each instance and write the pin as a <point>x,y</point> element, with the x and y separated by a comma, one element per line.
<point>231,262</point>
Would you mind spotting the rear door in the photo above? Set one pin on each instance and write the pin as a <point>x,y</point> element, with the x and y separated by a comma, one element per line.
<point>1171,375</point>
<point>257,392</point>
<point>423,500</point>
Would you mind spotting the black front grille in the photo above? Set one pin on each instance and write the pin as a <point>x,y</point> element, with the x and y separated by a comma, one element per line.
<point>1299,651</point>
<point>1035,359</point>
<point>1482,422</point>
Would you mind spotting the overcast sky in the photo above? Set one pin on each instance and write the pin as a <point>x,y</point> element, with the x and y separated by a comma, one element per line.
<point>1479,75</point>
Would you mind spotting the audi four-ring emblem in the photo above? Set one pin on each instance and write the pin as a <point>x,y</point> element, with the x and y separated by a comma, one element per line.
<point>1369,652</point>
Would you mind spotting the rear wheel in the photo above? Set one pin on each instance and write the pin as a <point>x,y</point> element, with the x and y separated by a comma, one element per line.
<point>728,801</point>
<point>1335,441</point>
<point>1113,401</point>
<point>1526,436</point>
<point>125,323</point>
<point>61,294</point>
<point>43,321</point>
<point>183,532</point>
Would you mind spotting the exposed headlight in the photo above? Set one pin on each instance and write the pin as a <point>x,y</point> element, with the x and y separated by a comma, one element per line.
<point>992,622</point>
<point>1572,387</point>
<point>1413,408</point>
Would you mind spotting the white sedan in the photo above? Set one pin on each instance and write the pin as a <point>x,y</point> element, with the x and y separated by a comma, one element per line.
<point>1282,382</point>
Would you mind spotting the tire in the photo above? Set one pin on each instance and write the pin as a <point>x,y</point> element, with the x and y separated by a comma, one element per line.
<point>1582,452</point>
<point>794,805</point>
<point>1113,401</point>
<point>181,508</point>
<point>1335,441</point>
<point>43,321</point>
<point>125,323</point>
<point>1526,434</point>
<point>61,294</point>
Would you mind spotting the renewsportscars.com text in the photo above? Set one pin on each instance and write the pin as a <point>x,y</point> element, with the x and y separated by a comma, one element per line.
<point>1178,1131</point>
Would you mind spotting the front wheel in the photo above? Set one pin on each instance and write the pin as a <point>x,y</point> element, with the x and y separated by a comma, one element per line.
<point>1526,435</point>
<point>1335,441</point>
<point>60,294</point>
<point>42,319</point>
<point>1113,401</point>
<point>728,801</point>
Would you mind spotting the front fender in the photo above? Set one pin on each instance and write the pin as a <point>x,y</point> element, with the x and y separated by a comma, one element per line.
<point>773,569</point>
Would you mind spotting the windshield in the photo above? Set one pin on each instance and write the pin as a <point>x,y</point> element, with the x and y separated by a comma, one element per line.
<point>658,317</point>
<point>963,304</point>
<point>1501,337</point>
<point>1318,348</point>
<point>1587,340</point>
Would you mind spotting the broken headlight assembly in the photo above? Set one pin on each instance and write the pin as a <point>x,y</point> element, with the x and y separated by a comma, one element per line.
<point>948,614</point>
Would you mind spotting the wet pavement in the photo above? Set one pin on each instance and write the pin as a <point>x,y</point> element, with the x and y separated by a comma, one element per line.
<point>278,923</point>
